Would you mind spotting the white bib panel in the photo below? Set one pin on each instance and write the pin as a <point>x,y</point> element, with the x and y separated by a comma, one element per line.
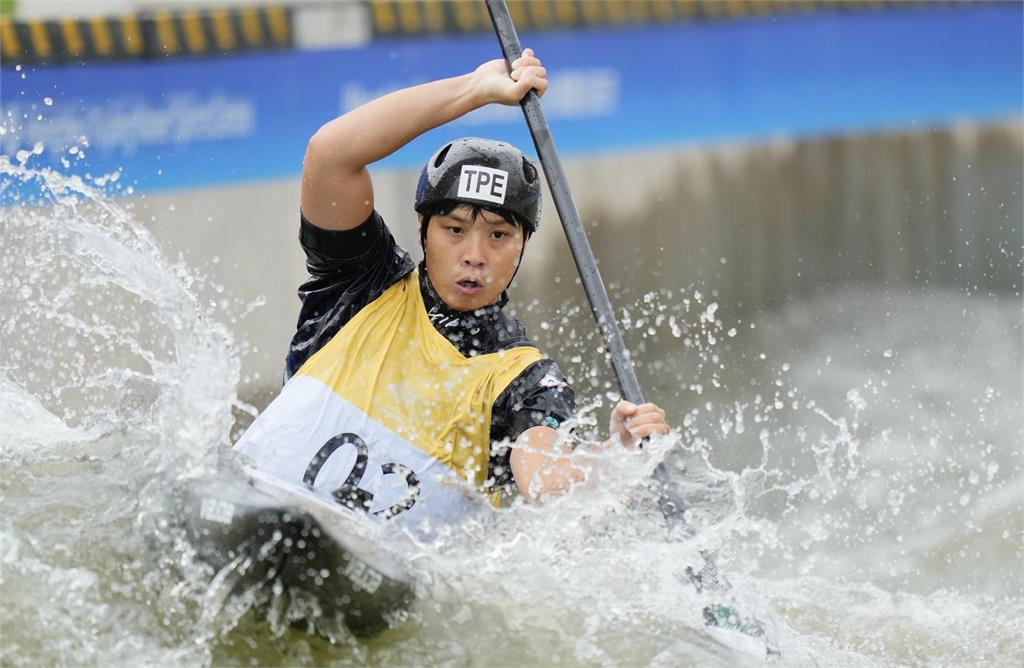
<point>287,437</point>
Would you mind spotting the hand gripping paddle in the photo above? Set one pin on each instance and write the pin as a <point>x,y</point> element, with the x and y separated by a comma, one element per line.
<point>670,503</point>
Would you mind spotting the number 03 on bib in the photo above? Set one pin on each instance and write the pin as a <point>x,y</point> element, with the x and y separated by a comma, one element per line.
<point>389,418</point>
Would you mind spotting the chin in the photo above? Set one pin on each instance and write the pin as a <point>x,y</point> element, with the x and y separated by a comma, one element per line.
<point>466,304</point>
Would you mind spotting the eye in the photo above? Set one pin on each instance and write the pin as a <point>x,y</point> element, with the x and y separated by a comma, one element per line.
<point>454,229</point>
<point>499,234</point>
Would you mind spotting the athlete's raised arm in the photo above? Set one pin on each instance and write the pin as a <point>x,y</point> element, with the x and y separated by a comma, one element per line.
<point>337,193</point>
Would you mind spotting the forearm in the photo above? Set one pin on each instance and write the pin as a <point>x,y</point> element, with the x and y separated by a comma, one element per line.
<point>378,128</point>
<point>555,478</point>
<point>337,192</point>
<point>542,467</point>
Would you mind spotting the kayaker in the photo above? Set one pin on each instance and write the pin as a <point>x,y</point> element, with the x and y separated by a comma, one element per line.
<point>405,383</point>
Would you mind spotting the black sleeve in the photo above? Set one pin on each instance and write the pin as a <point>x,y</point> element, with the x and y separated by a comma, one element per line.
<point>348,269</point>
<point>539,396</point>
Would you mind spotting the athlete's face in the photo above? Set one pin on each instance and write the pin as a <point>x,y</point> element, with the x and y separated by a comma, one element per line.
<point>470,262</point>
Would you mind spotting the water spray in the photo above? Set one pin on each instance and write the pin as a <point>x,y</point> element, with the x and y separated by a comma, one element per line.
<point>669,500</point>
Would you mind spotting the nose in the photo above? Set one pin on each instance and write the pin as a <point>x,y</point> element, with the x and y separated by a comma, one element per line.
<point>473,251</point>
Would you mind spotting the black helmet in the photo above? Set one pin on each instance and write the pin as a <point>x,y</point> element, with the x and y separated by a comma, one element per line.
<point>483,172</point>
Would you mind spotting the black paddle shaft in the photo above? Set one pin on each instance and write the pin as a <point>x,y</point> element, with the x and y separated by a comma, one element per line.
<point>586,263</point>
<point>670,502</point>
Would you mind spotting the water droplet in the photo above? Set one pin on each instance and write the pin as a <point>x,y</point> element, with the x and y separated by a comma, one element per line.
<point>674,326</point>
<point>48,101</point>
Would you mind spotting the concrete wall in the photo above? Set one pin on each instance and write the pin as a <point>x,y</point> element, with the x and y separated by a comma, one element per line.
<point>753,225</point>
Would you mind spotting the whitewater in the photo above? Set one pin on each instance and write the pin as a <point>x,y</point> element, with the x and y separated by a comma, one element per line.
<point>853,460</point>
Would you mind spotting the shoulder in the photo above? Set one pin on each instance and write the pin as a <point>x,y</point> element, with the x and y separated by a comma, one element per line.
<point>539,392</point>
<point>347,270</point>
<point>543,376</point>
<point>365,257</point>
<point>342,245</point>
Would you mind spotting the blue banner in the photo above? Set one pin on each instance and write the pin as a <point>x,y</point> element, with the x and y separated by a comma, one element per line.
<point>194,122</point>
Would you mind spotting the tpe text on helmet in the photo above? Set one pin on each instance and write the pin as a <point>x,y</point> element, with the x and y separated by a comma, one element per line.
<point>483,183</point>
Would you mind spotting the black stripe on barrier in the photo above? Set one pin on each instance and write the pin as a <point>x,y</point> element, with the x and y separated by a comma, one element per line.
<point>415,18</point>
<point>159,34</point>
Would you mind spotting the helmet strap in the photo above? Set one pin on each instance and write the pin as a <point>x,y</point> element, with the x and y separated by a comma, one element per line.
<point>423,233</point>
<point>522,251</point>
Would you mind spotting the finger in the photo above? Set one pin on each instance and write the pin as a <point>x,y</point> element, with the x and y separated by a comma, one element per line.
<point>641,429</point>
<point>541,86</point>
<point>518,70</point>
<point>646,414</point>
<point>622,411</point>
<point>524,82</point>
<point>645,417</point>
<point>526,61</point>
<point>523,86</point>
<point>540,72</point>
<point>648,430</point>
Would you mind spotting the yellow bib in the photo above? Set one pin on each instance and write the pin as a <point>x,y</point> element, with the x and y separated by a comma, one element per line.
<point>392,364</point>
<point>420,411</point>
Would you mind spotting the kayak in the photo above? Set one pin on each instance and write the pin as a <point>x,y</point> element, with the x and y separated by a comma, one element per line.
<point>255,530</point>
<point>258,531</point>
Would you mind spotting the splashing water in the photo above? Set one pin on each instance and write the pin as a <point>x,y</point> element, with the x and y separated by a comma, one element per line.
<point>112,381</point>
<point>860,487</point>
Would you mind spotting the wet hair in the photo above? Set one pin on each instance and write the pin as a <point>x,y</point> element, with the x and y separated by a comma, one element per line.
<point>444,207</point>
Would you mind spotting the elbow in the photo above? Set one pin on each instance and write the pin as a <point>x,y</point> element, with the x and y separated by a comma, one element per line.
<point>318,148</point>
<point>334,148</point>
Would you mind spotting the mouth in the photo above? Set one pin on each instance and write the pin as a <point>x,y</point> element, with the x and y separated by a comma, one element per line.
<point>469,286</point>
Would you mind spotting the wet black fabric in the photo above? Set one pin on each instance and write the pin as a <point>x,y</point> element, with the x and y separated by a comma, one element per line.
<point>349,269</point>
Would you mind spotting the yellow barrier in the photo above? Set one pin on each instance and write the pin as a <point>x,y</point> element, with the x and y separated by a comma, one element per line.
<point>198,32</point>
<point>410,18</point>
<point>159,34</point>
